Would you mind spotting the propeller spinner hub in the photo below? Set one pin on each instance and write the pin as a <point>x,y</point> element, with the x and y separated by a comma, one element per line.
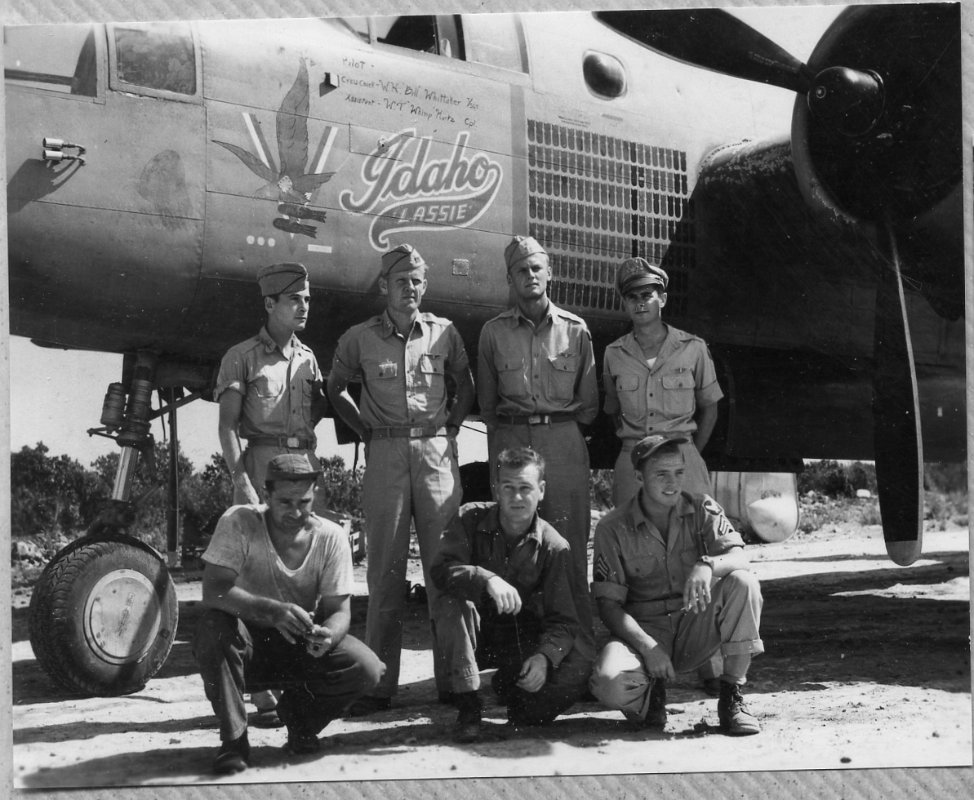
<point>849,100</point>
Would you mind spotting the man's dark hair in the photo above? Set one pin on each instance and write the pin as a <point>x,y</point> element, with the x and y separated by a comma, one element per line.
<point>519,458</point>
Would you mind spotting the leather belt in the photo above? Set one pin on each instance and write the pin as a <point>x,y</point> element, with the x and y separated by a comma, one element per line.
<point>535,419</point>
<point>654,608</point>
<point>407,432</point>
<point>290,442</point>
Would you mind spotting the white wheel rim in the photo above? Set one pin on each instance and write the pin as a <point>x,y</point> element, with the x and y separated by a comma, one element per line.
<point>121,617</point>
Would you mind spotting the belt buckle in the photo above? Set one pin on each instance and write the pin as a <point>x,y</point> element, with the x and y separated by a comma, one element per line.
<point>535,419</point>
<point>415,432</point>
<point>292,442</point>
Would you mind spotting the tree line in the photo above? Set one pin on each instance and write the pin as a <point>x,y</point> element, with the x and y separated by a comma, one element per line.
<point>56,498</point>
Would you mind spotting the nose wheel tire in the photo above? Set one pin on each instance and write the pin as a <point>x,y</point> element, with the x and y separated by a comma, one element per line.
<point>103,616</point>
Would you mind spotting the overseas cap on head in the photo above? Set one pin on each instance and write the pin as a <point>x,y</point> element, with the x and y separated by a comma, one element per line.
<point>648,445</point>
<point>404,257</point>
<point>636,272</point>
<point>281,278</point>
<point>291,467</point>
<point>520,248</point>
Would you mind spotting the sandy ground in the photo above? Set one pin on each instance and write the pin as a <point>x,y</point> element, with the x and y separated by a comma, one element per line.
<point>867,665</point>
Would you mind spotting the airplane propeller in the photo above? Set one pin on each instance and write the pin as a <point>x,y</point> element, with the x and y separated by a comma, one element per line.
<point>713,39</point>
<point>883,142</point>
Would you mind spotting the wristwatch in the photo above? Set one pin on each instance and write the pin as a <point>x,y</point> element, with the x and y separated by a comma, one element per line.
<point>706,560</point>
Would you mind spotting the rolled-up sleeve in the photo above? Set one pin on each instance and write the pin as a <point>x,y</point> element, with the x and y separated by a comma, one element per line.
<point>707,390</point>
<point>232,374</point>
<point>347,363</point>
<point>457,362</point>
<point>608,574</point>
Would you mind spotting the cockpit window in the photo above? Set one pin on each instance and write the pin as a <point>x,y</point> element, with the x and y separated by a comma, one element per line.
<point>156,56</point>
<point>60,58</point>
<point>493,39</point>
<point>439,34</point>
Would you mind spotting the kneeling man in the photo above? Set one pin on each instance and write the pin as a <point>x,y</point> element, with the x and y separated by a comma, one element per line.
<point>672,586</point>
<point>276,588</point>
<point>506,578</point>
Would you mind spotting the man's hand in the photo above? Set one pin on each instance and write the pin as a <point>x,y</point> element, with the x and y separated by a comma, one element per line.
<point>696,591</point>
<point>534,673</point>
<point>658,664</point>
<point>293,622</point>
<point>319,642</point>
<point>504,595</point>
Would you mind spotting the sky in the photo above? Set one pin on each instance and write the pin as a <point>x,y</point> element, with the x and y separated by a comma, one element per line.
<point>56,396</point>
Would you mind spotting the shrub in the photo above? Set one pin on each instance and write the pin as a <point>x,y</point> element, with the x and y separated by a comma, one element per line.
<point>833,479</point>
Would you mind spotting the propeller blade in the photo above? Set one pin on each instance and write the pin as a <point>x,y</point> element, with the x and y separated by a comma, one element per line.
<point>896,414</point>
<point>713,39</point>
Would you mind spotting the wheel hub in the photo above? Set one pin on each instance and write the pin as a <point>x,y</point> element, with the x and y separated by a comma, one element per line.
<point>121,617</point>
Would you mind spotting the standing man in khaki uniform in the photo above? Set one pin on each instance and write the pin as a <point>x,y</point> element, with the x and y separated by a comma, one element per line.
<point>270,393</point>
<point>658,379</point>
<point>536,385</point>
<point>407,362</point>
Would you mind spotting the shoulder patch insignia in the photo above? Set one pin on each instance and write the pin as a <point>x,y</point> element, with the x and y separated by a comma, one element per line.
<point>600,569</point>
<point>712,506</point>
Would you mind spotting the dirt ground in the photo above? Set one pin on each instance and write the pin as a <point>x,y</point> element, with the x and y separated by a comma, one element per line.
<point>866,665</point>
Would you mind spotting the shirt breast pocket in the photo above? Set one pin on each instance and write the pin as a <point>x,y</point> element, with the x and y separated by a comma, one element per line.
<point>269,392</point>
<point>268,387</point>
<point>630,398</point>
<point>678,396</point>
<point>643,573</point>
<point>510,378</point>
<point>380,370</point>
<point>561,378</point>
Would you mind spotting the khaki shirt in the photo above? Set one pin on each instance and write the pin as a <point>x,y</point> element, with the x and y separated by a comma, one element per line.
<point>662,398</point>
<point>276,388</point>
<point>538,565</point>
<point>633,564</point>
<point>522,369</point>
<point>403,378</point>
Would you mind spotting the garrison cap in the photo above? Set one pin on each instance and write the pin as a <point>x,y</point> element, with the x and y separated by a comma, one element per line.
<point>648,445</point>
<point>519,248</point>
<point>403,257</point>
<point>291,467</point>
<point>636,272</point>
<point>280,278</point>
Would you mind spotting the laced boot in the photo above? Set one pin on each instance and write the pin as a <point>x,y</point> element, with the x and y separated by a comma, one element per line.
<point>467,727</point>
<point>734,717</point>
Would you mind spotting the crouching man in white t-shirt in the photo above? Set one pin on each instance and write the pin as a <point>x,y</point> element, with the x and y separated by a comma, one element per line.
<point>276,588</point>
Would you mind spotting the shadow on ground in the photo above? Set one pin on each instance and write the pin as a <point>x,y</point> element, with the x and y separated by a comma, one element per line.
<point>812,633</point>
